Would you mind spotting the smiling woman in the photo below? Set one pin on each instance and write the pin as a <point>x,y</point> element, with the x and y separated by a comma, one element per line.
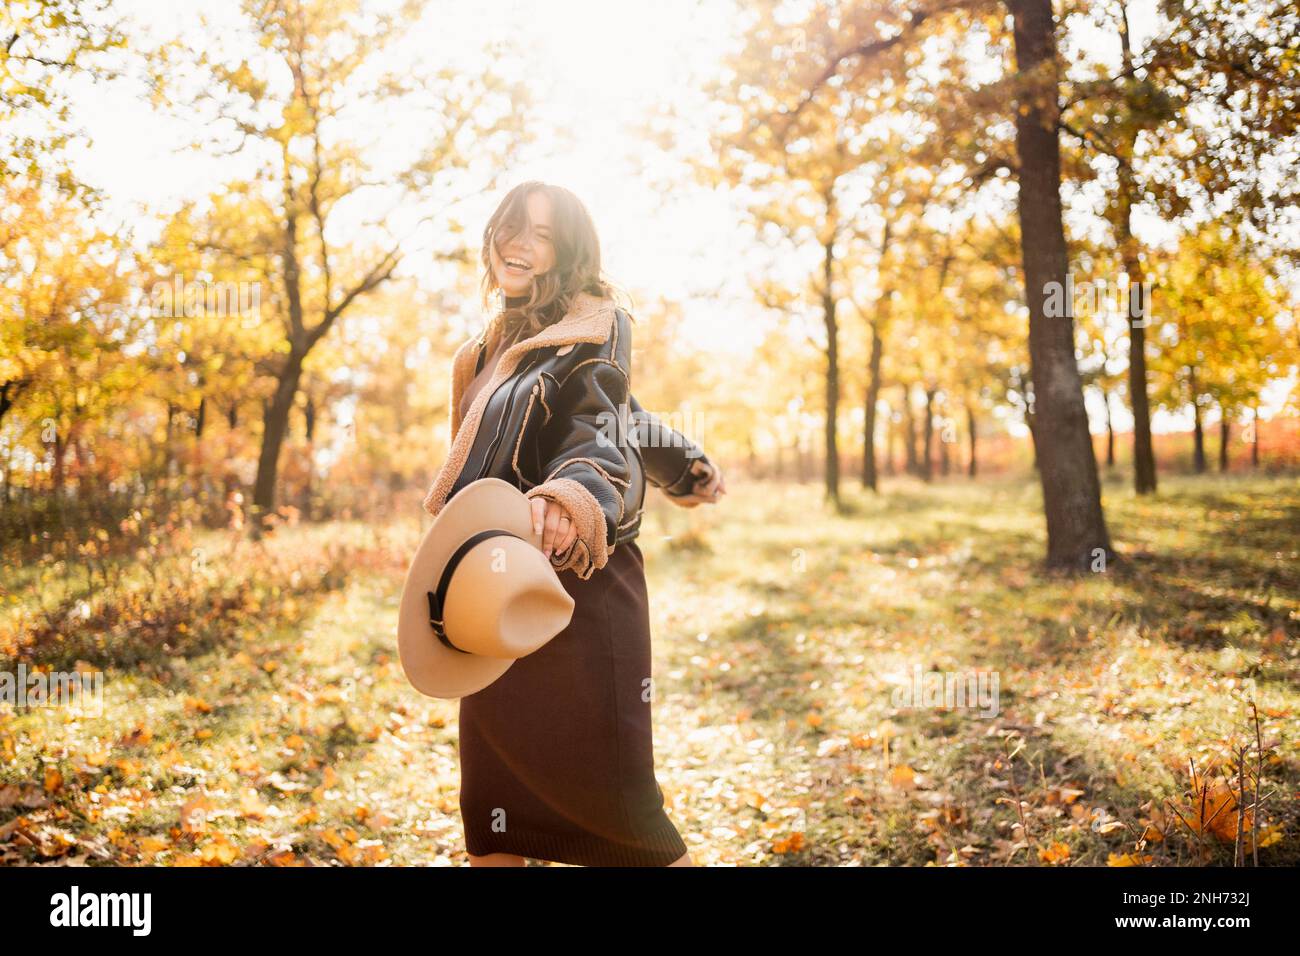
<point>521,250</point>
<point>557,760</point>
<point>539,246</point>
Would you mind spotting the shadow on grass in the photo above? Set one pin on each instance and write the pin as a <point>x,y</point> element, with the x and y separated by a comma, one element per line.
<point>141,628</point>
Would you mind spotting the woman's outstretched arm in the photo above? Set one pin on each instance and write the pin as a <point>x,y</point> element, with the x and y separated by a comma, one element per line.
<point>669,456</point>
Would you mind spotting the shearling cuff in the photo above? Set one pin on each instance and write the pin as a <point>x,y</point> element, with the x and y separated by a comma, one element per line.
<point>589,551</point>
<point>685,483</point>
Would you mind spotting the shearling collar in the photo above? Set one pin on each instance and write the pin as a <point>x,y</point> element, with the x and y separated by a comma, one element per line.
<point>590,319</point>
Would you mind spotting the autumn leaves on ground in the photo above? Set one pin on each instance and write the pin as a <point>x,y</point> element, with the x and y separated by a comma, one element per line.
<point>254,711</point>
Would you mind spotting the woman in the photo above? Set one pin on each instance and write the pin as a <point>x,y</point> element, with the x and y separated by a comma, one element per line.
<point>557,760</point>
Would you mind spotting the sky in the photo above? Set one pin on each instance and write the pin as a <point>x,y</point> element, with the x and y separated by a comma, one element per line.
<point>595,70</point>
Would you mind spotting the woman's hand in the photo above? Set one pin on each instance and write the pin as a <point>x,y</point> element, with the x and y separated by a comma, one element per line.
<point>709,486</point>
<point>554,524</point>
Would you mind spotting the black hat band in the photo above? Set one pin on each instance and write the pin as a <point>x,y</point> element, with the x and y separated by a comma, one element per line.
<point>439,595</point>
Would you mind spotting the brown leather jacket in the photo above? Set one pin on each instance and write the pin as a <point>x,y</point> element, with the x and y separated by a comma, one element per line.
<point>558,419</point>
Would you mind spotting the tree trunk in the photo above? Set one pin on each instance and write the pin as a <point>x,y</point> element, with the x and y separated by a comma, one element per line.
<point>970,428</point>
<point>275,427</point>
<point>1254,436</point>
<point>309,433</point>
<point>869,475</point>
<point>88,486</point>
<point>1198,432</point>
<point>169,451</point>
<point>1076,526</point>
<point>197,466</point>
<point>1198,441</point>
<point>909,433</point>
<point>9,392</point>
<point>1225,435</point>
<point>832,376</point>
<point>57,471</point>
<point>1110,430</point>
<point>891,441</point>
<point>1144,462</point>
<point>945,460</point>
<point>927,427</point>
<point>1025,386</point>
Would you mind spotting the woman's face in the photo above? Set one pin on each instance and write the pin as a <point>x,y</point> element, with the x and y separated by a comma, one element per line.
<point>517,260</point>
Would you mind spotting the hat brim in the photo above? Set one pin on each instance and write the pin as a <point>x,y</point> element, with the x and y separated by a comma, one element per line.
<point>433,668</point>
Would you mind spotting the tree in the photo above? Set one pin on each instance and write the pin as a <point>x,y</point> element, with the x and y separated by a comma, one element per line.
<point>984,288</point>
<point>43,43</point>
<point>66,302</point>
<point>1105,323</point>
<point>891,205</point>
<point>283,223</point>
<point>1198,122</point>
<point>1219,332</point>
<point>799,172</point>
<point>1076,527</point>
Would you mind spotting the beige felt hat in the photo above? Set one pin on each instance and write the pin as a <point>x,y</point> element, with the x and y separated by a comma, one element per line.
<point>479,593</point>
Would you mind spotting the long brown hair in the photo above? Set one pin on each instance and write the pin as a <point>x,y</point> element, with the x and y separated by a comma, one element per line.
<point>577,259</point>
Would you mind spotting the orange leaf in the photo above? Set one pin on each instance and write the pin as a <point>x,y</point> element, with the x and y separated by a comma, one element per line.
<point>53,779</point>
<point>1214,810</point>
<point>218,852</point>
<point>791,844</point>
<point>1127,859</point>
<point>1056,853</point>
<point>903,777</point>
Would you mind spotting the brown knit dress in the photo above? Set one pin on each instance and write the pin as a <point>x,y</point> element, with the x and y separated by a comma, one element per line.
<point>556,755</point>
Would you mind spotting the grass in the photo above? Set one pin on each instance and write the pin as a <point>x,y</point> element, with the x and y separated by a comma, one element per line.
<point>282,731</point>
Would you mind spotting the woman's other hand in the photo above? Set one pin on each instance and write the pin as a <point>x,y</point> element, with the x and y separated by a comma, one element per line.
<point>554,524</point>
<point>708,489</point>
